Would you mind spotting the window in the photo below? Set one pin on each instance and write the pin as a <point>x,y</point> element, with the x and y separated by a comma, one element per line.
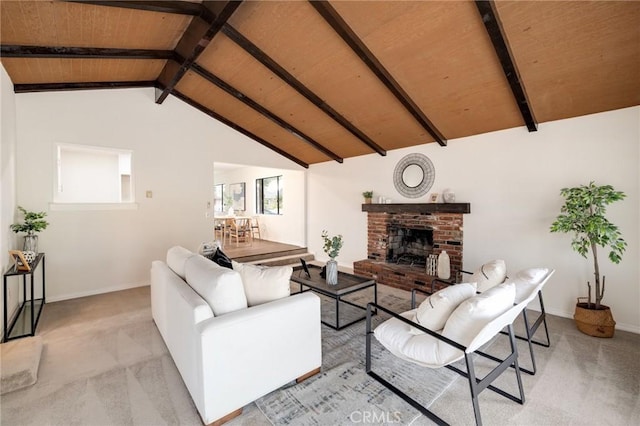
<point>87,174</point>
<point>218,197</point>
<point>269,195</point>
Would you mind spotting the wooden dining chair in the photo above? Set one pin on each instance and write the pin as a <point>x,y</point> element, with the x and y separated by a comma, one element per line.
<point>240,230</point>
<point>255,228</point>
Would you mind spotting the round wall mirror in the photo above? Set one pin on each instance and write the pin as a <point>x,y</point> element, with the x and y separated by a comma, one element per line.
<point>414,175</point>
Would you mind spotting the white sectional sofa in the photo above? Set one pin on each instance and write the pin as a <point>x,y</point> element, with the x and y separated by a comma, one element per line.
<point>237,355</point>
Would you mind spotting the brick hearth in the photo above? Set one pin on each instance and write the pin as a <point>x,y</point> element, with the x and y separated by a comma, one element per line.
<point>446,221</point>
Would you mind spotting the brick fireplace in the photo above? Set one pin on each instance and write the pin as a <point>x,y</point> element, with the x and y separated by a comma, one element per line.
<point>437,226</point>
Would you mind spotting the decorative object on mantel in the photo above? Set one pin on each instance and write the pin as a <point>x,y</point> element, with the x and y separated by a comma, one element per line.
<point>448,196</point>
<point>368,195</point>
<point>432,264</point>
<point>414,175</point>
<point>332,246</point>
<point>433,197</point>
<point>33,222</point>
<point>444,266</point>
<point>583,214</point>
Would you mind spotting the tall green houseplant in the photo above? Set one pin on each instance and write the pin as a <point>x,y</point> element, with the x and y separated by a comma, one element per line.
<point>583,214</point>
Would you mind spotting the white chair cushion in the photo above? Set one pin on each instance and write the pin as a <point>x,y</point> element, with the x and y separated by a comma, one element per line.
<point>264,283</point>
<point>527,281</point>
<point>422,349</point>
<point>474,313</point>
<point>490,274</point>
<point>463,325</point>
<point>221,287</point>
<point>176,258</point>
<point>434,311</point>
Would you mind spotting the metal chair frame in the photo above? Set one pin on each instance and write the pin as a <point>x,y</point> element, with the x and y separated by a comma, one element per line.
<point>476,385</point>
<point>530,329</point>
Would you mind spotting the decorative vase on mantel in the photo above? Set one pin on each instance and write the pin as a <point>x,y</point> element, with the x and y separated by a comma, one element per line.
<point>30,242</point>
<point>332,272</point>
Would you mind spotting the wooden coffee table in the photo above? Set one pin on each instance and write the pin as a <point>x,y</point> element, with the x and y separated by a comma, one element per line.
<point>347,284</point>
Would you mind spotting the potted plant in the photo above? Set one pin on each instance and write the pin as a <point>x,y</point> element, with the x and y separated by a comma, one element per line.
<point>368,195</point>
<point>583,214</point>
<point>331,247</point>
<point>33,222</point>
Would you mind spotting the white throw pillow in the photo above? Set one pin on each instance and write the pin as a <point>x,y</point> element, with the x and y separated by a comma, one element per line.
<point>490,274</point>
<point>263,284</point>
<point>435,310</point>
<point>474,313</point>
<point>221,287</point>
<point>176,258</point>
<point>526,281</point>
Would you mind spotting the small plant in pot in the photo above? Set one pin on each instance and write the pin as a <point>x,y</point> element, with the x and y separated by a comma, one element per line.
<point>331,246</point>
<point>33,222</point>
<point>583,214</point>
<point>368,195</point>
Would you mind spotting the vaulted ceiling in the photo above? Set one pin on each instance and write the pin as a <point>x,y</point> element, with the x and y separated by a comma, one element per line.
<point>324,81</point>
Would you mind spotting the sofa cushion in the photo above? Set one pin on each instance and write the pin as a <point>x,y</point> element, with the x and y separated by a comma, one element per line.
<point>435,310</point>
<point>176,258</point>
<point>220,287</point>
<point>490,274</point>
<point>473,314</point>
<point>264,283</point>
<point>220,258</point>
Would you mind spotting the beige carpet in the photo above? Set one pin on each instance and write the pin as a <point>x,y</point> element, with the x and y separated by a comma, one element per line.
<point>104,363</point>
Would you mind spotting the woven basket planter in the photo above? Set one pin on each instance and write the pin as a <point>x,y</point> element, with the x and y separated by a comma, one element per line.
<point>594,322</point>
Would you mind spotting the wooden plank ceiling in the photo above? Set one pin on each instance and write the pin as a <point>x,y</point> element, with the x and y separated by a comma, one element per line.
<point>325,81</point>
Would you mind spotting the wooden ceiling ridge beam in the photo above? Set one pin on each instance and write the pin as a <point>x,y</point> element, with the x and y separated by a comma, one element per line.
<point>210,77</point>
<point>21,51</point>
<point>58,87</point>
<point>491,20</point>
<point>195,39</point>
<point>289,79</point>
<point>174,7</point>
<point>340,26</point>
<point>236,127</point>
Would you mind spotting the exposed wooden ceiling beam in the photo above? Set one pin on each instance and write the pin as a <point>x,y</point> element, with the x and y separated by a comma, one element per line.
<point>492,23</point>
<point>278,70</point>
<point>175,7</point>
<point>264,111</point>
<point>53,87</point>
<point>236,127</point>
<point>339,25</point>
<point>19,51</point>
<point>193,42</point>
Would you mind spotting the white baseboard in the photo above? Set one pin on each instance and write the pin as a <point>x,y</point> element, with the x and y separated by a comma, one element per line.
<point>96,291</point>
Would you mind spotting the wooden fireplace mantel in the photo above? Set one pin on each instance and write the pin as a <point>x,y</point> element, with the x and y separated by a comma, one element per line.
<point>418,208</point>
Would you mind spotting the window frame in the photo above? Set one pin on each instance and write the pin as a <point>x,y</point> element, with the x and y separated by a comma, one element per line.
<point>260,207</point>
<point>60,205</point>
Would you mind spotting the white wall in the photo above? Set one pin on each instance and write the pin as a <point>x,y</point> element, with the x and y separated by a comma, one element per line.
<point>512,179</point>
<point>174,148</point>
<point>8,239</point>
<point>289,227</point>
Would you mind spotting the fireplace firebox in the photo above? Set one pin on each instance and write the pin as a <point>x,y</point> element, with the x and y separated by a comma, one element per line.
<point>409,246</point>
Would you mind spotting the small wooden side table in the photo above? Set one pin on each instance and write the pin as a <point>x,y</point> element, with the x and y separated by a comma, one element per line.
<point>26,319</point>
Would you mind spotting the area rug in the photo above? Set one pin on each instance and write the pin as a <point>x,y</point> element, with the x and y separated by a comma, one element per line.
<point>343,393</point>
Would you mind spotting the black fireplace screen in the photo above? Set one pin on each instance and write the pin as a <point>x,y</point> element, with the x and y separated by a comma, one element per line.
<point>409,246</point>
